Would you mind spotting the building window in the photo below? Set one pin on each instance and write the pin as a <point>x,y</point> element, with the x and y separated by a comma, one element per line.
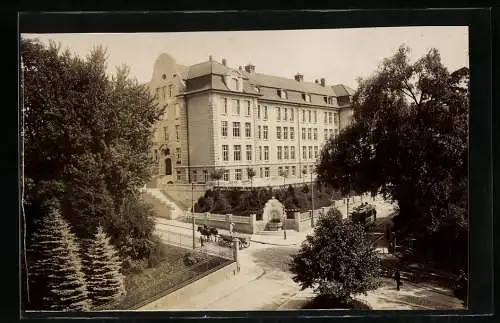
<point>309,134</point>
<point>315,133</point>
<point>156,155</point>
<point>164,92</point>
<point>178,153</point>
<point>330,131</point>
<point>225,152</point>
<point>326,117</point>
<point>266,172</point>
<point>335,119</point>
<point>157,94</point>
<point>265,132</point>
<point>292,152</point>
<point>326,134</point>
<point>165,133</point>
<point>235,84</point>
<point>311,169</point>
<point>291,114</point>
<point>236,107</point>
<point>179,175</point>
<point>285,133</point>
<point>249,152</point>
<point>292,133</point>
<point>266,152</point>
<point>236,129</point>
<point>280,170</point>
<point>265,112</point>
<point>225,175</point>
<point>282,93</point>
<point>287,170</point>
<point>285,114</point>
<point>304,152</point>
<point>305,169</point>
<point>260,152</point>
<point>224,106</point>
<point>194,176</point>
<point>293,170</point>
<point>310,152</point>
<point>237,152</point>
<point>258,112</point>
<point>177,132</point>
<point>303,133</point>
<point>330,118</point>
<point>315,151</point>
<point>258,131</point>
<point>261,172</point>
<point>278,113</point>
<point>237,174</point>
<point>205,175</point>
<point>315,116</point>
<point>278,132</point>
<point>285,153</point>
<point>306,97</point>
<point>303,115</point>
<point>224,128</point>
<point>248,129</point>
<point>247,108</point>
<point>170,90</point>
<point>309,114</point>
<point>280,153</point>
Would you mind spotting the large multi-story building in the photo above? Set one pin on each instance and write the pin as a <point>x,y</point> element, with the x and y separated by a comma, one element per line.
<point>218,117</point>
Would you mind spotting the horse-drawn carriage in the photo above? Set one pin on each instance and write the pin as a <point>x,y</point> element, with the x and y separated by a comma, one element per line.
<point>212,234</point>
<point>227,240</point>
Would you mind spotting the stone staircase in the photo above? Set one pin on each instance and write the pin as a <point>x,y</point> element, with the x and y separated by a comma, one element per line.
<point>162,206</point>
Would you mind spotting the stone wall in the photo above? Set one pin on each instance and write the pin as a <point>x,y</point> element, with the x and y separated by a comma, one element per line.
<point>243,224</point>
<point>176,299</point>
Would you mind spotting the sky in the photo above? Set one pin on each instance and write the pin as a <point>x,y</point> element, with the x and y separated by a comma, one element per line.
<point>338,55</point>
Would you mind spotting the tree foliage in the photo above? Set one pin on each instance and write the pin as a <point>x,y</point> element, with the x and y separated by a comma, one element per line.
<point>102,267</point>
<point>337,261</point>
<point>409,142</point>
<point>57,281</point>
<point>87,142</point>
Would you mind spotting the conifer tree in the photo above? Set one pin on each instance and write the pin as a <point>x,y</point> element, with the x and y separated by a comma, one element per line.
<point>56,272</point>
<point>102,267</point>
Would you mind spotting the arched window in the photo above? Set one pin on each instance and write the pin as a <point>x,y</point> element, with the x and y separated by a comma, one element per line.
<point>168,166</point>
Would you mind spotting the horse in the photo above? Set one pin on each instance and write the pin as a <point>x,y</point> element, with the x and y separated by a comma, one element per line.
<point>204,232</point>
<point>214,232</point>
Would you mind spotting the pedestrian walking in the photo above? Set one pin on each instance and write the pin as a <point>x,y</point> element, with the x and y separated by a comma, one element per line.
<point>231,228</point>
<point>397,279</point>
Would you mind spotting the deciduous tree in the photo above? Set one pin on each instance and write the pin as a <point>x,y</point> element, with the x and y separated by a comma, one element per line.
<point>337,261</point>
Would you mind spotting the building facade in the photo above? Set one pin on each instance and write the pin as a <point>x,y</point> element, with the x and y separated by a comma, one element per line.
<point>218,117</point>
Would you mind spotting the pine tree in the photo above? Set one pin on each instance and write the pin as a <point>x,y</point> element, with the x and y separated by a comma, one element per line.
<point>56,270</point>
<point>102,267</point>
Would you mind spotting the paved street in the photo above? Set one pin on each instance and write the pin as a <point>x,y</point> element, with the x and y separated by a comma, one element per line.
<point>264,283</point>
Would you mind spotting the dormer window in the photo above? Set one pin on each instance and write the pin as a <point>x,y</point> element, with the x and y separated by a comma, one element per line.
<point>256,89</point>
<point>282,94</point>
<point>234,83</point>
<point>306,97</point>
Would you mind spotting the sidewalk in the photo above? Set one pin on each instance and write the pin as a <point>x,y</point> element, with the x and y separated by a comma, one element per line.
<point>292,237</point>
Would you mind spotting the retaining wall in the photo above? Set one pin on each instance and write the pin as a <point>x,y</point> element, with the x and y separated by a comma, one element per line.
<point>176,299</point>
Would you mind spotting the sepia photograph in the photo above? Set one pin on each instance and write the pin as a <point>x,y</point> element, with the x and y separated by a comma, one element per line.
<point>257,170</point>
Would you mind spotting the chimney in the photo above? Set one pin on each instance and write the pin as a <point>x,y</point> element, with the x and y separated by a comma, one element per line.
<point>250,68</point>
<point>323,82</point>
<point>224,62</point>
<point>210,58</point>
<point>299,77</point>
<point>316,81</point>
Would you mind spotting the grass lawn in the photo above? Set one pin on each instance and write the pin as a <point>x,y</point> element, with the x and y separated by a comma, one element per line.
<point>171,273</point>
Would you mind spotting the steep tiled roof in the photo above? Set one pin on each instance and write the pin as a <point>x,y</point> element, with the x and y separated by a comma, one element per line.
<point>267,83</point>
<point>343,90</point>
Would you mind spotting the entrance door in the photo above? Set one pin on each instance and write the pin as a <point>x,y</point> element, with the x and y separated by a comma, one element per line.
<point>168,166</point>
